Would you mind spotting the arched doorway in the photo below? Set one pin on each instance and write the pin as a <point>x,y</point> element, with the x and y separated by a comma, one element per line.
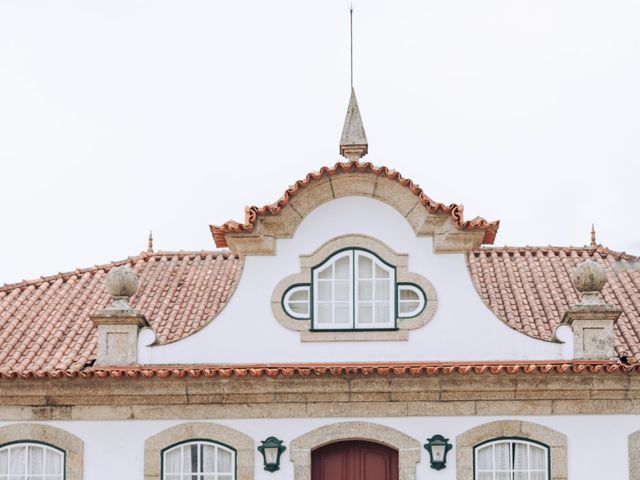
<point>354,460</point>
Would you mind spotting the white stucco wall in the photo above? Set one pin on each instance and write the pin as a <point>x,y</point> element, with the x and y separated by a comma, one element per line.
<point>597,445</point>
<point>463,328</point>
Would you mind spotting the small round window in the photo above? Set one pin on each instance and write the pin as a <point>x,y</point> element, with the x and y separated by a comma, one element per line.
<point>411,301</point>
<point>296,302</point>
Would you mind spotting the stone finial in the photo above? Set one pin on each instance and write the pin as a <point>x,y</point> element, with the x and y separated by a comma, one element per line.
<point>353,142</point>
<point>150,242</point>
<point>121,284</point>
<point>591,320</point>
<point>593,236</point>
<point>589,278</point>
<point>118,324</point>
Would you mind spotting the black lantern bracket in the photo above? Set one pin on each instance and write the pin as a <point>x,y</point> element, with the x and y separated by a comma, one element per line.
<point>271,450</point>
<point>438,447</point>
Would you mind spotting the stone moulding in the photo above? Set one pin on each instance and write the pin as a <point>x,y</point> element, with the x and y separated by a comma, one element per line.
<point>72,445</point>
<point>556,441</point>
<point>445,223</point>
<point>325,392</point>
<point>408,448</point>
<point>634,456</point>
<point>243,445</point>
<point>400,261</point>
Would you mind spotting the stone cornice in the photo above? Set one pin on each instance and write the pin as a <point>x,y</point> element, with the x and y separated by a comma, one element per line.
<point>355,396</point>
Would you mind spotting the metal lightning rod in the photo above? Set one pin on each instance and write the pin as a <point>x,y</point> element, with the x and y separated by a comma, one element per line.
<point>351,33</point>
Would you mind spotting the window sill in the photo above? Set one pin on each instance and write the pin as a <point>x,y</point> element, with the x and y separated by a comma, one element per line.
<point>354,336</point>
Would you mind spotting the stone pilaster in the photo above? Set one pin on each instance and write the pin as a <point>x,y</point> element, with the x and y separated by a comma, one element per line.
<point>118,336</point>
<point>592,327</point>
<point>591,320</point>
<point>118,325</point>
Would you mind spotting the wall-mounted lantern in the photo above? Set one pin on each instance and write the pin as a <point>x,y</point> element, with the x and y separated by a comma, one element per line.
<point>438,447</point>
<point>271,449</point>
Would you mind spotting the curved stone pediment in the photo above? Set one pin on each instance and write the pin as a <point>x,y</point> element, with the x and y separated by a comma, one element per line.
<point>445,223</point>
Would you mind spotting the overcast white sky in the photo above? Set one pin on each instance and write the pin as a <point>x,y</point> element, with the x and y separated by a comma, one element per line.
<point>123,116</point>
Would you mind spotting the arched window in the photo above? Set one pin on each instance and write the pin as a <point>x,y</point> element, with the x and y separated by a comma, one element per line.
<point>353,289</point>
<point>198,460</point>
<point>511,459</point>
<point>31,461</point>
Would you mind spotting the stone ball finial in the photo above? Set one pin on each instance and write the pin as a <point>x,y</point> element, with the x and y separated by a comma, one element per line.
<point>121,282</point>
<point>589,276</point>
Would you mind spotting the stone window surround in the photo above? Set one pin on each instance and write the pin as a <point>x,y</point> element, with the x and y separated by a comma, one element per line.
<point>556,441</point>
<point>243,445</point>
<point>634,456</point>
<point>34,432</point>
<point>301,447</point>
<point>400,261</point>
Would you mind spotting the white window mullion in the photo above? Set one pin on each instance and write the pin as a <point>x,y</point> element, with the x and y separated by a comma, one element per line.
<point>355,295</point>
<point>352,293</point>
<point>333,293</point>
<point>495,461</point>
<point>392,296</point>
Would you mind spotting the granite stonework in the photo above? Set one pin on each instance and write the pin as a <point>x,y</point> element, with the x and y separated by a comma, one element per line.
<point>447,238</point>
<point>118,324</point>
<point>408,448</point>
<point>241,443</point>
<point>326,396</point>
<point>556,442</point>
<point>72,446</point>
<point>592,320</point>
<point>634,456</point>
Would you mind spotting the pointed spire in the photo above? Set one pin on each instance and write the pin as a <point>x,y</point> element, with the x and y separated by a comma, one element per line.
<point>353,143</point>
<point>593,236</point>
<point>150,242</point>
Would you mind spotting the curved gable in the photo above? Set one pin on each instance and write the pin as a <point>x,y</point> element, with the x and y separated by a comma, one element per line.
<point>446,223</point>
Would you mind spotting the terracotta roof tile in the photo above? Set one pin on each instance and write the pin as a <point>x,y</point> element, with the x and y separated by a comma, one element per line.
<point>252,214</point>
<point>530,288</point>
<point>338,370</point>
<point>45,326</point>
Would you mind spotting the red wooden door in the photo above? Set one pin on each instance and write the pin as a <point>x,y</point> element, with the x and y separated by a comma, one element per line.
<point>354,461</point>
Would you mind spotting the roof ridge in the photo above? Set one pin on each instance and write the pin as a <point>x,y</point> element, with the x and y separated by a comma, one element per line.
<point>114,263</point>
<point>602,250</point>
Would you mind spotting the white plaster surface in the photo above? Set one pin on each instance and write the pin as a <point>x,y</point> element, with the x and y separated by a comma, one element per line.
<point>597,445</point>
<point>463,328</point>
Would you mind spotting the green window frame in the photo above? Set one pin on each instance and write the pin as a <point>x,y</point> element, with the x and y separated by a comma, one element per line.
<point>28,473</point>
<point>167,473</point>
<point>512,470</point>
<point>353,289</point>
